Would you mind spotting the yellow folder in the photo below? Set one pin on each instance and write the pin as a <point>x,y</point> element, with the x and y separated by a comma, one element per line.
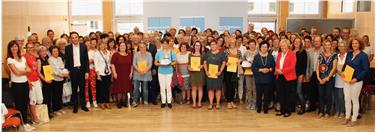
<point>47,69</point>
<point>349,72</point>
<point>142,65</point>
<point>213,69</point>
<point>195,63</point>
<point>248,72</point>
<point>232,64</point>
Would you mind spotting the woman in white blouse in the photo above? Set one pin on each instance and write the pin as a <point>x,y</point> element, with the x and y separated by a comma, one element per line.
<point>59,72</point>
<point>102,63</point>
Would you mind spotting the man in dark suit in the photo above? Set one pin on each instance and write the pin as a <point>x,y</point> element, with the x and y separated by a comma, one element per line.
<point>77,62</point>
<point>153,87</point>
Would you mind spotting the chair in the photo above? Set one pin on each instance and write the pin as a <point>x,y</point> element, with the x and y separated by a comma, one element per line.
<point>367,91</point>
<point>11,120</point>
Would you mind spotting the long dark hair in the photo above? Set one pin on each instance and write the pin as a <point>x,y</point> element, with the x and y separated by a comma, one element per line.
<point>193,48</point>
<point>9,52</point>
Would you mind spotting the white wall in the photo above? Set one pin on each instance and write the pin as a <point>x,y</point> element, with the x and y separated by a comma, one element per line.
<point>211,10</point>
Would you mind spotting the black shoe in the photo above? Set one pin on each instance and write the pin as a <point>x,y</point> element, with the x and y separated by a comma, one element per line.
<point>301,112</point>
<point>163,105</point>
<point>85,109</point>
<point>75,110</point>
<point>286,115</point>
<point>258,110</point>
<point>265,112</point>
<point>119,105</point>
<point>155,103</point>
<point>124,104</point>
<point>169,106</point>
<point>278,114</point>
<point>310,109</point>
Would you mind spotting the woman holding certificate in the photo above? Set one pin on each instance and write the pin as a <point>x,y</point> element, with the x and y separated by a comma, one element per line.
<point>142,62</point>
<point>358,61</point>
<point>326,65</point>
<point>233,56</point>
<point>165,59</point>
<point>46,82</point>
<point>285,75</point>
<point>263,71</point>
<point>247,62</point>
<point>59,72</point>
<point>214,64</point>
<point>196,74</point>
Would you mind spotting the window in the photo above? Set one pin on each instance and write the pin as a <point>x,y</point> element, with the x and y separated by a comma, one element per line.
<point>158,23</point>
<point>364,5</point>
<point>86,7</point>
<point>128,14</point>
<point>86,16</point>
<point>304,7</point>
<point>270,25</point>
<point>195,21</point>
<point>129,7</point>
<point>230,23</point>
<point>127,26</point>
<point>347,5</point>
<point>262,7</point>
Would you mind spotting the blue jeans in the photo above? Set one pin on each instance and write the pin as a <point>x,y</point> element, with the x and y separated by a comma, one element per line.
<point>325,96</point>
<point>339,99</point>
<point>299,89</point>
<point>136,90</point>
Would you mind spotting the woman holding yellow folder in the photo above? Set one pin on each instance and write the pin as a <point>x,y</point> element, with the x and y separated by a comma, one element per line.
<point>358,60</point>
<point>214,64</point>
<point>196,74</point>
<point>250,87</point>
<point>233,56</point>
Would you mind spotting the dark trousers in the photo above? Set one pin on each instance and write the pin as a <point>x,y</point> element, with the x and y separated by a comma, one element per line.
<point>103,89</point>
<point>231,84</point>
<point>21,98</point>
<point>325,96</point>
<point>57,95</point>
<point>77,77</point>
<point>153,89</point>
<point>285,91</point>
<point>312,94</point>
<point>263,89</point>
<point>47,95</point>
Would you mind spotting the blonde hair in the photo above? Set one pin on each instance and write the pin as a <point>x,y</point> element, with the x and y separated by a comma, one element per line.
<point>61,40</point>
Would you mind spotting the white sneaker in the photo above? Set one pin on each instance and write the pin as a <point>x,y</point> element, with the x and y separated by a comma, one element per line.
<point>95,104</point>
<point>253,106</point>
<point>62,111</point>
<point>28,127</point>
<point>87,104</point>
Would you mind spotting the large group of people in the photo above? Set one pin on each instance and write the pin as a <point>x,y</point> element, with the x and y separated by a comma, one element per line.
<point>265,70</point>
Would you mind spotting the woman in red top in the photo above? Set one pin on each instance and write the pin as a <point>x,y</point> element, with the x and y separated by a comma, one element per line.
<point>122,73</point>
<point>285,75</point>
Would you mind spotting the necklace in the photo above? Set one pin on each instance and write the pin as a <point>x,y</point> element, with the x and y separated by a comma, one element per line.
<point>262,60</point>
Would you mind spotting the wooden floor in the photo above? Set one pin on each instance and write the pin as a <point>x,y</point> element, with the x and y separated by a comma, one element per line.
<point>182,118</point>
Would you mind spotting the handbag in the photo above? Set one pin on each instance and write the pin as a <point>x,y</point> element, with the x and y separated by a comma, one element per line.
<point>177,79</point>
<point>67,88</point>
<point>42,113</point>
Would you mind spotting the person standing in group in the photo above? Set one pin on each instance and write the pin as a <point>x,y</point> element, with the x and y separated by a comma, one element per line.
<point>214,60</point>
<point>182,59</point>
<point>19,85</point>
<point>91,80</point>
<point>102,66</point>
<point>312,56</point>
<point>35,85</point>
<point>46,84</point>
<point>231,77</point>
<point>165,59</point>
<point>301,57</point>
<point>153,87</point>
<point>59,73</point>
<point>339,99</point>
<point>358,60</point>
<point>263,70</point>
<point>142,63</point>
<point>326,66</point>
<point>121,65</point>
<point>250,85</point>
<point>77,63</point>
<point>196,77</point>
<point>285,75</point>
